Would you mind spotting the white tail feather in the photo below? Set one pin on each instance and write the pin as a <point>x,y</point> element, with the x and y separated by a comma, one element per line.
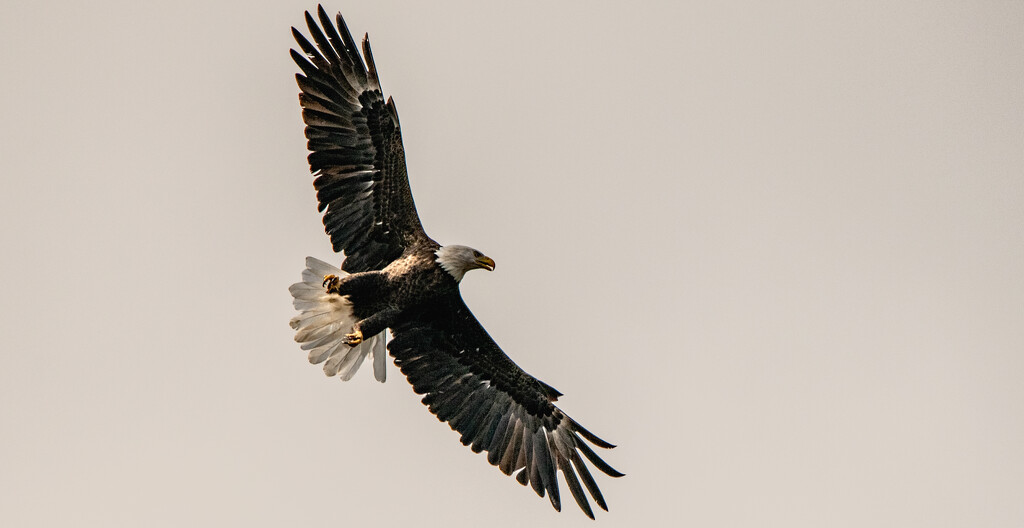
<point>324,319</point>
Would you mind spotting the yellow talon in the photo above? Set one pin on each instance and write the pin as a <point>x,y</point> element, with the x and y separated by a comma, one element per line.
<point>354,338</point>
<point>332,283</point>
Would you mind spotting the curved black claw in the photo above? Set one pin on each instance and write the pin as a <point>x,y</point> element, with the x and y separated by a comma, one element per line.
<point>331,283</point>
<point>354,338</point>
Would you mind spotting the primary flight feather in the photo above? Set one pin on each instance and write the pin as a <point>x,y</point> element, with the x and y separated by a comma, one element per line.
<point>396,277</point>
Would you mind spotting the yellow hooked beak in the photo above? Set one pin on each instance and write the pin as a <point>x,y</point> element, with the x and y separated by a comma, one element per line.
<point>485,262</point>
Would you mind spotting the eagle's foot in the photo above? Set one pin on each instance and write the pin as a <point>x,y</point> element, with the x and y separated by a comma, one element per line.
<point>354,338</point>
<point>331,283</point>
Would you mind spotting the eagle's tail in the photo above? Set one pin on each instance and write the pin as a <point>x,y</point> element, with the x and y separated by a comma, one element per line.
<point>324,319</point>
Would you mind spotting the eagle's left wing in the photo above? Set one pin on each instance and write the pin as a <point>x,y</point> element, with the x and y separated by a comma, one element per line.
<point>474,387</point>
<point>356,150</point>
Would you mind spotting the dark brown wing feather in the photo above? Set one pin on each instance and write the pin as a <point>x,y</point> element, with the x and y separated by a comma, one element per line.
<point>356,152</point>
<point>471,384</point>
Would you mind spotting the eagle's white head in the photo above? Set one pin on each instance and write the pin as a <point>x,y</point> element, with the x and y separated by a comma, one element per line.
<point>457,260</point>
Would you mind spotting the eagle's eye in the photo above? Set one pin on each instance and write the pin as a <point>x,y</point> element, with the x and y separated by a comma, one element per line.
<point>477,254</point>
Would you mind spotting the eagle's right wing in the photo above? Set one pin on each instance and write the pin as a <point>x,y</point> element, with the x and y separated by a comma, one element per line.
<point>471,384</point>
<point>356,151</point>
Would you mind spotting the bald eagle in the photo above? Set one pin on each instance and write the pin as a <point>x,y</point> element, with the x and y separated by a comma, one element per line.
<point>395,277</point>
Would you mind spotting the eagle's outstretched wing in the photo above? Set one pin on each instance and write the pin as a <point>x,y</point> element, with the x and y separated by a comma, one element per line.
<point>471,384</point>
<point>356,150</point>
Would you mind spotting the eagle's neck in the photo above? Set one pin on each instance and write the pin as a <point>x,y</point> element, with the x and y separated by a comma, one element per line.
<point>453,260</point>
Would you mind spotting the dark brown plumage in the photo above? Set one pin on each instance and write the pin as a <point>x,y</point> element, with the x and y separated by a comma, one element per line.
<point>400,279</point>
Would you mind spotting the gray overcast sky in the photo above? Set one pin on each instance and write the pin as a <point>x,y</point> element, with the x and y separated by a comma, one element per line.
<point>773,252</point>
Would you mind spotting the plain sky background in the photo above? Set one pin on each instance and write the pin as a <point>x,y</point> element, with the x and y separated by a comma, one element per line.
<point>775,251</point>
